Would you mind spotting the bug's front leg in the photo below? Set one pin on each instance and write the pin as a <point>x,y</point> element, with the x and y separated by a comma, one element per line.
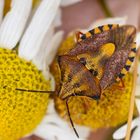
<point>121,85</point>
<point>78,35</point>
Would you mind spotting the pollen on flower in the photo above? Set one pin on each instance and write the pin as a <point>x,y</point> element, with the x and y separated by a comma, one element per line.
<point>111,110</point>
<point>20,112</point>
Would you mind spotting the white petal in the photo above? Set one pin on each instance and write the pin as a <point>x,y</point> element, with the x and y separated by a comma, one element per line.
<point>138,39</point>
<point>53,117</point>
<point>14,23</point>
<point>41,22</point>
<point>121,132</point>
<point>51,51</point>
<point>138,82</point>
<point>39,58</point>
<point>69,2</point>
<point>83,131</point>
<point>138,105</point>
<point>51,132</point>
<point>53,126</point>
<point>58,20</point>
<point>137,93</point>
<point>136,134</point>
<point>52,82</point>
<point>48,50</point>
<point>1,9</point>
<point>116,20</point>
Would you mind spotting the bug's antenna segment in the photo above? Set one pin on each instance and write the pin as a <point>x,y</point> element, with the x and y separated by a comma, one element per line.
<point>71,119</point>
<point>28,90</point>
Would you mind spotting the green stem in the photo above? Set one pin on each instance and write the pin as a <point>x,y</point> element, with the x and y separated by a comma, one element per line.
<point>105,8</point>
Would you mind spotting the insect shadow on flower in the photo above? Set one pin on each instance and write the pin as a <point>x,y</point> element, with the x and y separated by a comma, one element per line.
<point>100,58</point>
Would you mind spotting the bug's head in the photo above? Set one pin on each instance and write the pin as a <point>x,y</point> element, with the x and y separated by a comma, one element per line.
<point>76,79</point>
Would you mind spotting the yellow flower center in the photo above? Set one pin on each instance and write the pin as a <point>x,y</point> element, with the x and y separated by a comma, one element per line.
<point>20,112</point>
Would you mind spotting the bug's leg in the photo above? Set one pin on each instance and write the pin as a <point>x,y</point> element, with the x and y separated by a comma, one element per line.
<point>68,111</point>
<point>78,33</point>
<point>121,85</point>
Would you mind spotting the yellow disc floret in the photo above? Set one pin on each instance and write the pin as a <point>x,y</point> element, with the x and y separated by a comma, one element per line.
<point>111,110</point>
<point>20,112</point>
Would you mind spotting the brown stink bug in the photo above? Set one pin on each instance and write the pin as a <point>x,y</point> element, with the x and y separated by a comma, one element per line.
<point>100,58</point>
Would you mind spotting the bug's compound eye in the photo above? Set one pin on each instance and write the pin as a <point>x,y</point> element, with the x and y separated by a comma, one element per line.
<point>83,60</point>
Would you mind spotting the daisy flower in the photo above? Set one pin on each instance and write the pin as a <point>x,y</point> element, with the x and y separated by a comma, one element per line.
<point>28,44</point>
<point>26,36</point>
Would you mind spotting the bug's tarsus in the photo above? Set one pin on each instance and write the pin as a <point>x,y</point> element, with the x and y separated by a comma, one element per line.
<point>120,87</point>
<point>72,124</point>
<point>28,90</point>
<point>122,83</point>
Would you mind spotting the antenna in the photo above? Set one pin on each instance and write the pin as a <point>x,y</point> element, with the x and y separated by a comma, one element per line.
<point>42,91</point>
<point>72,124</point>
<point>28,90</point>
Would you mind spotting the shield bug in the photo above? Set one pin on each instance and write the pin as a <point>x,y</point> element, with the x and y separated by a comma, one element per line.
<point>100,58</point>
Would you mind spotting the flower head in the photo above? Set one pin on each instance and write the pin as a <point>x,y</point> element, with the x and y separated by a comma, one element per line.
<point>22,63</point>
<point>20,111</point>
